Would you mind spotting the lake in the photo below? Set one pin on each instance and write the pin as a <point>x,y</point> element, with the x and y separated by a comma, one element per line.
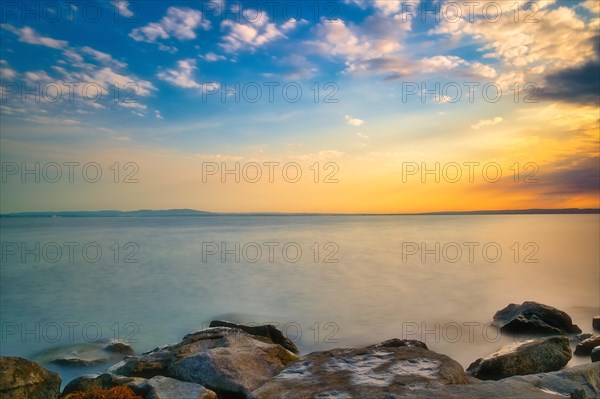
<point>326,281</point>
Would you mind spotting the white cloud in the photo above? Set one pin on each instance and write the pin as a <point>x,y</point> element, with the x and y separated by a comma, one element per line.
<point>28,35</point>
<point>243,36</point>
<point>102,57</point>
<point>362,135</point>
<point>180,23</point>
<point>487,122</point>
<point>182,76</point>
<point>292,24</point>
<point>212,57</point>
<point>158,115</point>
<point>354,121</point>
<point>122,7</point>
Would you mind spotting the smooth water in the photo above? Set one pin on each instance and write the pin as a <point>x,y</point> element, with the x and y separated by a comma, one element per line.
<point>328,281</point>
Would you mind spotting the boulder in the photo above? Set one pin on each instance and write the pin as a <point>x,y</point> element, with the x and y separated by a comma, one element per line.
<point>529,357</point>
<point>24,379</point>
<point>585,347</point>
<point>226,360</point>
<point>396,342</point>
<point>268,331</point>
<point>581,382</point>
<point>371,372</point>
<point>596,323</point>
<point>89,382</point>
<point>596,354</point>
<point>119,346</point>
<point>155,388</point>
<point>534,318</point>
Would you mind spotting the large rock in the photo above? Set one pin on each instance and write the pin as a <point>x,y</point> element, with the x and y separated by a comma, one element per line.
<point>533,318</point>
<point>529,357</point>
<point>371,372</point>
<point>584,348</point>
<point>226,360</point>
<point>268,331</point>
<point>155,388</point>
<point>24,379</point>
<point>581,382</point>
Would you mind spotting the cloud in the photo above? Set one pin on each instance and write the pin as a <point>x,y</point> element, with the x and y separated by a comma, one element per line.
<point>572,176</point>
<point>248,36</point>
<point>122,7</point>
<point>5,71</point>
<point>158,115</point>
<point>102,57</point>
<point>212,57</point>
<point>180,23</point>
<point>292,24</point>
<point>182,76</point>
<point>362,135</point>
<point>487,122</point>
<point>354,121</point>
<point>30,36</point>
<point>580,84</point>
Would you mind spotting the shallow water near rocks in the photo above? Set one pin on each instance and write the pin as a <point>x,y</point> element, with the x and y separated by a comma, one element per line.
<point>327,281</point>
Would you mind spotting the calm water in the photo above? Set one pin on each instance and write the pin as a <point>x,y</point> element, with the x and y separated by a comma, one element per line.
<point>329,281</point>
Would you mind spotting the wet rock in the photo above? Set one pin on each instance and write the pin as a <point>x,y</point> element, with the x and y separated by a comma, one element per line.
<point>596,323</point>
<point>579,337</point>
<point>529,357</point>
<point>226,360</point>
<point>118,346</point>
<point>24,379</point>
<point>533,318</point>
<point>395,342</point>
<point>268,331</point>
<point>584,348</point>
<point>89,382</point>
<point>372,372</point>
<point>85,354</point>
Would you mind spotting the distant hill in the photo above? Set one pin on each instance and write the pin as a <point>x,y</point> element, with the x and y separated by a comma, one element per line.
<point>111,213</point>
<point>194,213</point>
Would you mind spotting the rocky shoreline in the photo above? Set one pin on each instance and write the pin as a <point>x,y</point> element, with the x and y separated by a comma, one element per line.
<point>231,361</point>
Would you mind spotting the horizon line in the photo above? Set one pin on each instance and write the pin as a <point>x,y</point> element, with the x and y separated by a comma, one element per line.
<point>192,212</point>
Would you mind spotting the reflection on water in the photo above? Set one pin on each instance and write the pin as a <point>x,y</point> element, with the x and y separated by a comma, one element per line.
<point>328,281</point>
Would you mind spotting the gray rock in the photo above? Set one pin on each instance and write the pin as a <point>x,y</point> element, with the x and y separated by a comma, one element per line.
<point>269,331</point>
<point>396,342</point>
<point>371,372</point>
<point>596,354</point>
<point>534,318</point>
<point>225,360</point>
<point>118,346</point>
<point>168,388</point>
<point>529,357</point>
<point>596,323</point>
<point>24,379</point>
<point>579,337</point>
<point>584,348</point>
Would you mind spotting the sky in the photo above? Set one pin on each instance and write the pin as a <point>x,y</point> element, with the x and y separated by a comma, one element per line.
<point>285,106</point>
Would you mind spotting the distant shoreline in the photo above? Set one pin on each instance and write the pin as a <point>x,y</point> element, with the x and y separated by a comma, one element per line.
<point>194,213</point>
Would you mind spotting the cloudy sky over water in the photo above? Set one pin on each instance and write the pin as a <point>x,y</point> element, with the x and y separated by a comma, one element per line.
<point>288,106</point>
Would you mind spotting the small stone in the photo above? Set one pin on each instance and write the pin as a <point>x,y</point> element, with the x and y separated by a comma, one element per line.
<point>596,323</point>
<point>596,354</point>
<point>585,347</point>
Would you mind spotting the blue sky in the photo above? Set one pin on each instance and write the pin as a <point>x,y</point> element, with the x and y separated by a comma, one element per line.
<point>184,63</point>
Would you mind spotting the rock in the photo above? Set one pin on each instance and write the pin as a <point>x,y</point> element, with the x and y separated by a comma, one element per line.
<point>155,388</point>
<point>596,323</point>
<point>24,379</point>
<point>85,354</point>
<point>581,382</point>
<point>371,372</point>
<point>579,337</point>
<point>118,346</point>
<point>168,388</point>
<point>103,381</point>
<point>533,317</point>
<point>584,348</point>
<point>268,331</point>
<point>529,357</point>
<point>225,360</point>
<point>596,354</point>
